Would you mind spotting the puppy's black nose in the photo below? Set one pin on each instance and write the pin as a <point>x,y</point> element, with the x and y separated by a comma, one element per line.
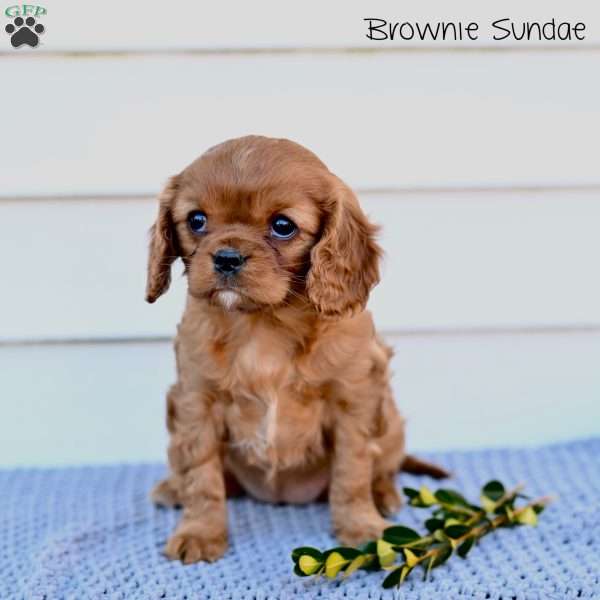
<point>228,261</point>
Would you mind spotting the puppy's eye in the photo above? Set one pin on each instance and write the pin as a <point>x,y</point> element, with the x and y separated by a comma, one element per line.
<point>197,221</point>
<point>283,228</point>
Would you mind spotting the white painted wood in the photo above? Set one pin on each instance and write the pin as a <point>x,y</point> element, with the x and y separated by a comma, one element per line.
<point>105,403</point>
<point>141,24</point>
<point>123,125</point>
<point>76,269</point>
<point>479,260</point>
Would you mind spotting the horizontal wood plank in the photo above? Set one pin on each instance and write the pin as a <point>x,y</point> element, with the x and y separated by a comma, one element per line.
<point>189,24</point>
<point>415,120</point>
<point>105,403</point>
<point>76,269</point>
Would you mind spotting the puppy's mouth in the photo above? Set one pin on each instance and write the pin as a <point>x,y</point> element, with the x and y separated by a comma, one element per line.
<point>231,298</point>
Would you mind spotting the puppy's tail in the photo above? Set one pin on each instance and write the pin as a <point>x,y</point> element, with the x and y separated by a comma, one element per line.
<point>416,466</point>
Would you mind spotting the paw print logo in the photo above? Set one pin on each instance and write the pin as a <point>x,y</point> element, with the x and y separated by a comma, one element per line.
<point>24,32</point>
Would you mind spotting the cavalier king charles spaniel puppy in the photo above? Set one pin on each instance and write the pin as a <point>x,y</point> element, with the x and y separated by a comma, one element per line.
<point>283,385</point>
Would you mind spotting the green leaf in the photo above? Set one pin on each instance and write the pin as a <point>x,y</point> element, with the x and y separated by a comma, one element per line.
<point>410,492</point>
<point>442,555</point>
<point>494,490</point>
<point>371,563</point>
<point>399,535</point>
<point>369,548</point>
<point>456,531</point>
<point>444,551</point>
<point>505,508</point>
<point>464,548</point>
<point>433,524</point>
<point>451,497</point>
<point>369,551</point>
<point>396,577</point>
<point>298,571</point>
<point>309,551</point>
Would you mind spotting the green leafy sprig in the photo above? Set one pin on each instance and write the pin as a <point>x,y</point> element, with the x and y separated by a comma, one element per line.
<point>454,527</point>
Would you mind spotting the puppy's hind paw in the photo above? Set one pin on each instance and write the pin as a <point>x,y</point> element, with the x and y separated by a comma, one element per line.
<point>164,493</point>
<point>356,531</point>
<point>386,497</point>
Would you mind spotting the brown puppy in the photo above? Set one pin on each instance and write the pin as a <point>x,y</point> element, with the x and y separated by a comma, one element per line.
<point>282,383</point>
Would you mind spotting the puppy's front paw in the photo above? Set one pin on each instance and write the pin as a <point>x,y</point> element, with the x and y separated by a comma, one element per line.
<point>356,530</point>
<point>191,547</point>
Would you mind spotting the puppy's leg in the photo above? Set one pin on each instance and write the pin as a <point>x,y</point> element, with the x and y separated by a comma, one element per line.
<point>167,492</point>
<point>390,444</point>
<point>392,458</point>
<point>195,456</point>
<point>386,496</point>
<point>353,512</point>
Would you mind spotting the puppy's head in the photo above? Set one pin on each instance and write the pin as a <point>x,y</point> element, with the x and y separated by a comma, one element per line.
<point>261,223</point>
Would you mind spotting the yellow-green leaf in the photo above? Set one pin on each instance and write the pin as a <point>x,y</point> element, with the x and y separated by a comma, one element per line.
<point>439,535</point>
<point>405,571</point>
<point>527,517</point>
<point>488,505</point>
<point>411,558</point>
<point>452,521</point>
<point>386,553</point>
<point>334,563</point>
<point>356,564</point>
<point>427,496</point>
<point>308,565</point>
<point>510,514</point>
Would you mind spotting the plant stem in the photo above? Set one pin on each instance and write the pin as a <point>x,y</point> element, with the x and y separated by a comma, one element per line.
<point>485,528</point>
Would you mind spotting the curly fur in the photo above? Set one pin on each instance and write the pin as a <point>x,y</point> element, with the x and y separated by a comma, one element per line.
<point>282,385</point>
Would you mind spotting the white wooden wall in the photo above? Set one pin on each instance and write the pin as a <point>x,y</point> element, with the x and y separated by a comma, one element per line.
<point>480,162</point>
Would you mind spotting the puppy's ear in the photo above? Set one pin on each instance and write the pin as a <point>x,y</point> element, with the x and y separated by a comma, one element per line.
<point>163,244</point>
<point>345,261</point>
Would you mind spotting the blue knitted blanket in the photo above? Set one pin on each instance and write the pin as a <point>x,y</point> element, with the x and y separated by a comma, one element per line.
<point>91,533</point>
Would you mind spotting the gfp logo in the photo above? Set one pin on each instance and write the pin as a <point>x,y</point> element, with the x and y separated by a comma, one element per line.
<point>24,29</point>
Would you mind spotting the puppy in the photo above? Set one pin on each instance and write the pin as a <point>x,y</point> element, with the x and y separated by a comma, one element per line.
<point>283,386</point>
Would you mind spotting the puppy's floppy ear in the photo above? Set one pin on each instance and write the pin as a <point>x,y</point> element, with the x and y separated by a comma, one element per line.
<point>163,243</point>
<point>345,261</point>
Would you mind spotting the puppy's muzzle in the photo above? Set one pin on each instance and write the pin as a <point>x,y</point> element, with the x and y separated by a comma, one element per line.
<point>228,261</point>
